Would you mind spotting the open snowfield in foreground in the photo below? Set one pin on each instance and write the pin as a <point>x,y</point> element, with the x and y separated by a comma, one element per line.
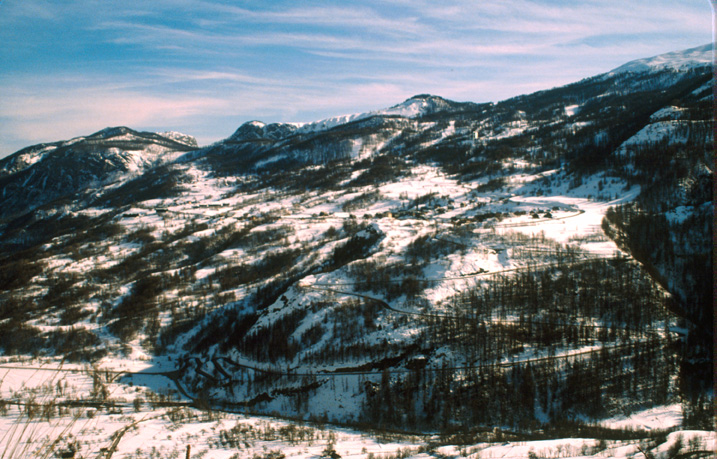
<point>54,408</point>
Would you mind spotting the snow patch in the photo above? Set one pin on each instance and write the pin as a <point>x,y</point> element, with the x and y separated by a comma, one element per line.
<point>572,110</point>
<point>660,417</point>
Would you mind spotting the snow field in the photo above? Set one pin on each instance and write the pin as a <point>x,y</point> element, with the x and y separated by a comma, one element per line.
<point>166,432</point>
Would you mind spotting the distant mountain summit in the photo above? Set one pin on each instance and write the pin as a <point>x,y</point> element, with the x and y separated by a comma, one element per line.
<point>426,104</point>
<point>700,56</point>
<point>256,145</point>
<point>414,107</point>
<point>256,130</point>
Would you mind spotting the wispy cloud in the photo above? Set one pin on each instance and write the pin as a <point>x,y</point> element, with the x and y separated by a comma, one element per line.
<point>444,33</point>
<point>327,16</point>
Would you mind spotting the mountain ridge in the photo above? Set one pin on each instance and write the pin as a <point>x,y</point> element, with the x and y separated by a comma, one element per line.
<point>413,107</point>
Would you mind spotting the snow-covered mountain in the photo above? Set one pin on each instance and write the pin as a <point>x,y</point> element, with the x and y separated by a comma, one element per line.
<point>256,145</point>
<point>415,107</point>
<point>42,173</point>
<point>538,262</point>
<point>701,56</point>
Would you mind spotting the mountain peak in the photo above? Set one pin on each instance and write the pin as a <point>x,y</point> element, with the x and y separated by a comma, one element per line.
<point>700,56</point>
<point>185,139</point>
<point>418,105</point>
<point>127,134</point>
<point>257,130</point>
<point>110,132</point>
<point>423,96</point>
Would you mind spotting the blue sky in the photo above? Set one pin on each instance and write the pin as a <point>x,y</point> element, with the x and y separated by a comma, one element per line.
<point>203,67</point>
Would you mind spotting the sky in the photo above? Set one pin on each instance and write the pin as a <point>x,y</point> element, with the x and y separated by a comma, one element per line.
<point>203,67</point>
